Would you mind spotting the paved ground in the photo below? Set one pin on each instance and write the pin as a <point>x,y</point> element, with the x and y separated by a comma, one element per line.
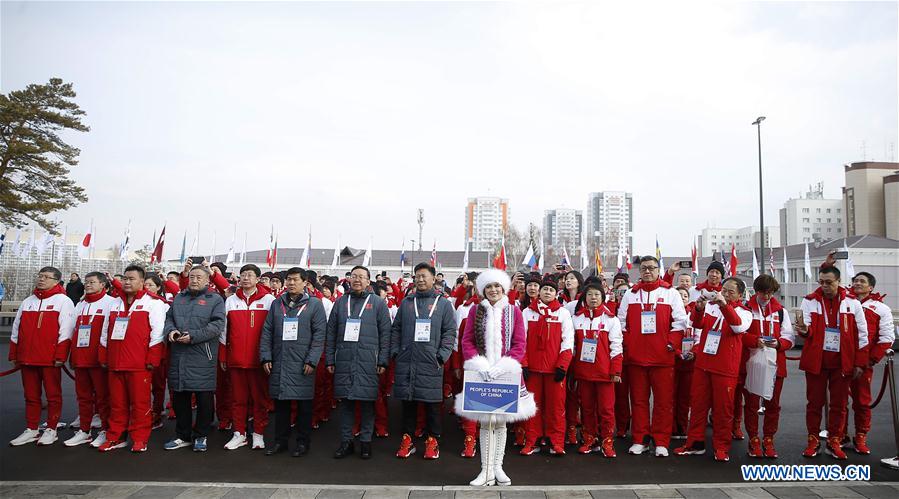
<point>246,466</point>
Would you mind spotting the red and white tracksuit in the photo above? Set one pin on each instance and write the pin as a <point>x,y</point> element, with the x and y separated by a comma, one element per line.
<point>550,346</point>
<point>767,322</point>
<point>41,336</point>
<point>457,361</point>
<point>239,351</point>
<point>594,373</point>
<point>881,335</point>
<point>683,380</point>
<point>653,320</point>
<point>91,383</point>
<point>126,357</point>
<point>830,370</point>
<point>716,370</point>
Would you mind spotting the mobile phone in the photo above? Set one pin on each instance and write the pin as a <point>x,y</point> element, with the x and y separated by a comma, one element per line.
<point>197,260</point>
<point>685,264</point>
<point>840,255</point>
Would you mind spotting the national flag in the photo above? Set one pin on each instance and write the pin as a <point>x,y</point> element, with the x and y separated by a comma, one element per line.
<point>807,264</point>
<point>270,255</point>
<point>584,263</point>
<point>540,265</point>
<point>618,261</point>
<point>306,259</point>
<point>17,244</point>
<point>243,253</point>
<point>86,242</point>
<point>62,247</point>
<point>499,262</point>
<point>627,259</point>
<point>786,278</point>
<point>771,261</point>
<point>229,258</point>
<point>434,255</point>
<point>44,243</point>
<point>733,260</point>
<point>25,250</point>
<point>275,253</point>
<point>211,258</point>
<point>335,260</point>
<point>403,258</point>
<point>156,256</point>
<point>659,257</point>
<point>530,259</point>
<point>694,260</point>
<point>465,257</point>
<point>183,256</point>
<point>850,267</point>
<point>565,259</point>
<point>597,261</point>
<point>126,244</point>
<point>2,239</point>
<point>755,265</point>
<point>366,259</point>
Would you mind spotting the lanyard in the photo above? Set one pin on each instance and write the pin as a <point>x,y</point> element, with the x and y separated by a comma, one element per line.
<point>415,303</point>
<point>362,310</point>
<point>826,314</point>
<point>88,316</point>
<point>284,310</point>
<point>652,306</point>
<point>764,316</point>
<point>719,322</point>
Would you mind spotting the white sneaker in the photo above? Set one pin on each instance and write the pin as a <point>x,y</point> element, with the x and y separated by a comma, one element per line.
<point>26,437</point>
<point>43,426</point>
<point>96,424</point>
<point>238,440</point>
<point>661,451</point>
<point>258,441</point>
<point>76,423</point>
<point>637,449</point>
<point>99,440</point>
<point>80,437</point>
<point>48,437</point>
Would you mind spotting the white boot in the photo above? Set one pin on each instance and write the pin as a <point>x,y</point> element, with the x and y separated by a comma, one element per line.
<point>80,437</point>
<point>500,451</point>
<point>26,437</point>
<point>485,477</point>
<point>48,437</point>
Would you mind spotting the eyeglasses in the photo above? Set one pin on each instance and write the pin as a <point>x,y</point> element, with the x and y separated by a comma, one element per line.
<point>47,276</point>
<point>358,277</point>
<point>648,269</point>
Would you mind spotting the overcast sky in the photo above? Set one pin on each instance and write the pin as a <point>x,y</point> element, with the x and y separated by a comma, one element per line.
<point>346,117</point>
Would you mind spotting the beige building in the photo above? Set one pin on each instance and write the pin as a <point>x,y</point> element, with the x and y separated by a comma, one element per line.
<point>863,197</point>
<point>891,204</point>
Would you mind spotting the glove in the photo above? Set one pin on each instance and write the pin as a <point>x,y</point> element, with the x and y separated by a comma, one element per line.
<point>485,375</point>
<point>524,373</point>
<point>560,375</point>
<point>495,372</point>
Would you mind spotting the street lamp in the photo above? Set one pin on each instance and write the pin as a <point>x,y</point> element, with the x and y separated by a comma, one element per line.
<point>758,125</point>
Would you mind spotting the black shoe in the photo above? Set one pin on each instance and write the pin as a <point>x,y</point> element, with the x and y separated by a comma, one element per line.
<point>301,450</point>
<point>345,449</point>
<point>275,449</point>
<point>365,452</point>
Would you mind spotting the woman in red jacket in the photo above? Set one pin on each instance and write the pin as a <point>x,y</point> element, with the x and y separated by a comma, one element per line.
<point>596,367</point>
<point>683,373</point>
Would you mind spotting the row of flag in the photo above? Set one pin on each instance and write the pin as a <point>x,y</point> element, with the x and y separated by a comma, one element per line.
<point>22,248</point>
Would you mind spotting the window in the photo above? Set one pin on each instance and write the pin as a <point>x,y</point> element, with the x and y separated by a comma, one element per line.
<point>828,210</point>
<point>806,230</point>
<point>829,230</point>
<point>805,210</point>
<point>838,210</point>
<point>818,220</point>
<point>818,210</point>
<point>828,220</point>
<point>805,220</point>
<point>839,220</point>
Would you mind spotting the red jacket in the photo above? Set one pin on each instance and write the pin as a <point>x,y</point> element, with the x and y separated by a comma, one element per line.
<point>239,342</point>
<point>731,321</point>
<point>774,321</point>
<point>853,331</point>
<point>42,329</point>
<point>142,342</point>
<point>92,311</point>
<point>881,333</point>
<point>550,337</point>
<point>600,325</point>
<point>665,304</point>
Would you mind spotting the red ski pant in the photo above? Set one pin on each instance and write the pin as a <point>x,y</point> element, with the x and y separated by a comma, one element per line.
<point>160,376</point>
<point>713,392</point>
<point>550,418</point>
<point>660,382</point>
<point>739,403</point>
<point>33,377</point>
<point>683,381</point>
<point>817,387</point>
<point>860,391</point>
<point>597,408</point>
<point>572,405</point>
<point>772,411</point>
<point>129,405</point>
<point>223,400</point>
<point>248,390</point>
<point>324,393</point>
<point>623,403</point>
<point>92,392</point>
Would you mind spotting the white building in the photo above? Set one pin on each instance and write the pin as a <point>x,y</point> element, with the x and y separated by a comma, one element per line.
<point>562,229</point>
<point>812,218</point>
<point>486,219</point>
<point>610,224</point>
<point>713,240</point>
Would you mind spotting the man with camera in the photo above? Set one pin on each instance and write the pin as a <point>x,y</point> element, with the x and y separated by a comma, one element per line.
<point>193,326</point>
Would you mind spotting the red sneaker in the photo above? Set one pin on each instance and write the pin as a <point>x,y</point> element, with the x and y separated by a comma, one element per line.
<point>860,442</point>
<point>608,448</point>
<point>157,421</point>
<point>768,448</point>
<point>589,446</point>
<point>139,447</point>
<point>419,432</point>
<point>407,448</point>
<point>690,449</point>
<point>571,436</point>
<point>557,450</point>
<point>432,449</point>
<point>834,448</point>
<point>468,448</point>
<point>529,449</point>
<point>722,456</point>
<point>737,434</point>
<point>755,447</point>
<point>112,445</point>
<point>382,433</point>
<point>814,445</point>
<point>520,436</point>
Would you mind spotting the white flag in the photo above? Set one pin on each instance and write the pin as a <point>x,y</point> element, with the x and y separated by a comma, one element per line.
<point>211,259</point>
<point>17,244</point>
<point>366,260</point>
<point>786,270</point>
<point>230,258</point>
<point>306,259</point>
<point>335,260</point>
<point>465,257</point>
<point>755,265</point>
<point>45,243</point>
<point>26,248</point>
<point>850,268</point>
<point>243,254</point>
<point>807,264</point>
<point>540,261</point>
<point>126,244</point>
<point>194,247</point>
<point>62,247</point>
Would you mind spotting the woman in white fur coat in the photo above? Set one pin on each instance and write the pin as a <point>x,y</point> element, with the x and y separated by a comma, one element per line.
<point>493,344</point>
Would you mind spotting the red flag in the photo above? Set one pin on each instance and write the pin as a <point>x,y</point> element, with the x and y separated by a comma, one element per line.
<point>156,256</point>
<point>500,261</point>
<point>733,260</point>
<point>85,247</point>
<point>434,255</point>
<point>693,260</point>
<point>270,255</point>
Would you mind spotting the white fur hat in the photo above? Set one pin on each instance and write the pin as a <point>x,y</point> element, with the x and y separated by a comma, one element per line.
<point>493,276</point>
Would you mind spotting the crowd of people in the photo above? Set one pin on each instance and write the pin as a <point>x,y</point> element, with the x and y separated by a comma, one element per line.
<point>657,359</point>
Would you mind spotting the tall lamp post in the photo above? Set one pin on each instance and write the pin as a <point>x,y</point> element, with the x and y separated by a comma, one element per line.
<point>758,125</point>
